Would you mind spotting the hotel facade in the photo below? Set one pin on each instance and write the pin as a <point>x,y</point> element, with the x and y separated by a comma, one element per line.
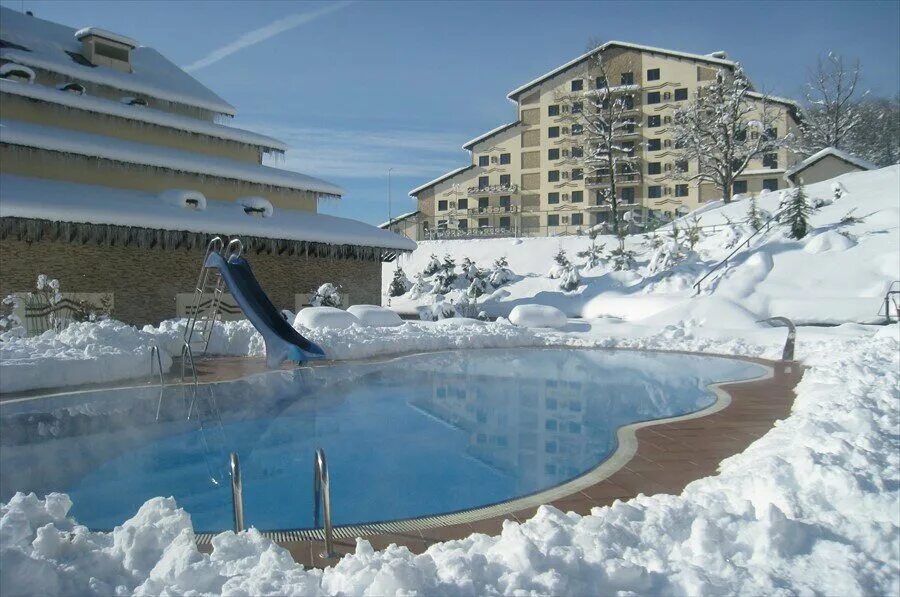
<point>525,179</point>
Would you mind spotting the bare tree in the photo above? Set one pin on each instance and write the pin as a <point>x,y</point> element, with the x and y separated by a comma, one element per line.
<point>604,114</point>
<point>723,129</point>
<point>831,94</point>
<point>876,137</point>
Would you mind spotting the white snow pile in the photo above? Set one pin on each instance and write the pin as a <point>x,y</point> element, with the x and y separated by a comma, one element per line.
<point>538,316</point>
<point>375,316</point>
<point>325,317</point>
<point>810,508</point>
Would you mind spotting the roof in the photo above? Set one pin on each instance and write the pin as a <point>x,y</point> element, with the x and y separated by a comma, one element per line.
<point>53,47</point>
<point>109,107</point>
<point>441,178</point>
<point>15,132</point>
<point>832,151</point>
<point>620,44</point>
<point>490,133</point>
<point>60,201</point>
<point>399,218</point>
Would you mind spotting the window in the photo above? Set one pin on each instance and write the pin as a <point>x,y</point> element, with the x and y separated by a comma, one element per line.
<point>600,82</point>
<point>654,144</point>
<point>442,205</point>
<point>654,168</point>
<point>505,180</point>
<point>484,222</point>
<point>653,121</point>
<point>628,102</point>
<point>505,158</point>
<point>552,220</point>
<point>653,74</point>
<point>504,201</point>
<point>770,160</point>
<point>577,107</point>
<point>462,204</point>
<point>740,134</point>
<point>681,166</point>
<point>740,187</point>
<point>552,198</point>
<point>483,160</point>
<point>442,224</point>
<point>577,196</point>
<point>771,133</point>
<point>627,195</point>
<point>770,184</point>
<point>463,225</point>
<point>577,219</point>
<point>654,191</point>
<point>553,176</point>
<point>681,190</point>
<point>553,110</point>
<point>577,152</point>
<point>483,203</point>
<point>653,97</point>
<point>627,79</point>
<point>577,84</point>
<point>577,174</point>
<point>504,222</point>
<point>681,94</point>
<point>553,154</point>
<point>553,132</point>
<point>483,182</point>
<point>577,129</point>
<point>628,128</point>
<point>113,52</point>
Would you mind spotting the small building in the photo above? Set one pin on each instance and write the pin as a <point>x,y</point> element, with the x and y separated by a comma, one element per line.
<point>405,225</point>
<point>116,172</point>
<point>824,165</point>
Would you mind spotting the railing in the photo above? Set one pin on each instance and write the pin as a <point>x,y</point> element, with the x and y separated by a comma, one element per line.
<point>893,290</point>
<point>462,233</point>
<point>322,493</point>
<point>154,350</point>
<point>493,189</point>
<point>788,353</point>
<point>237,493</point>
<point>494,209</point>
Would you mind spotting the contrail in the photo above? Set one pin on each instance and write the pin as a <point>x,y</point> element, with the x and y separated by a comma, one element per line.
<point>251,38</point>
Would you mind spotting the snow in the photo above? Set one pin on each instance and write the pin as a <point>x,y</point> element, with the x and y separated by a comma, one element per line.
<point>152,75</point>
<point>443,177</point>
<point>257,206</point>
<point>832,151</point>
<point>12,67</point>
<point>828,241</point>
<point>325,317</point>
<point>537,316</point>
<point>149,115</point>
<point>98,32</point>
<point>184,198</point>
<point>46,199</point>
<point>399,218</point>
<point>375,316</point>
<point>17,132</point>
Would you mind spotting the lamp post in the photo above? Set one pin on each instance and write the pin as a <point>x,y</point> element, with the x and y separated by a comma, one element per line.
<point>391,169</point>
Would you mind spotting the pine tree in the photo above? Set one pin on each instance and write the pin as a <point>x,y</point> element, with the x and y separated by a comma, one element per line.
<point>694,233</point>
<point>434,265</point>
<point>622,258</point>
<point>478,286</point>
<point>399,284</point>
<point>448,268</point>
<point>469,268</point>
<point>560,258</point>
<point>796,213</point>
<point>500,273</point>
<point>753,214</point>
<point>594,253</point>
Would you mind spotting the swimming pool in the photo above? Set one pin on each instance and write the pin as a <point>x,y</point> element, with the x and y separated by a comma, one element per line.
<point>408,437</point>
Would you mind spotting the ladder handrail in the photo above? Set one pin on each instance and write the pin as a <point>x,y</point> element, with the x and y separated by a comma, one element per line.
<point>154,350</point>
<point>237,493</point>
<point>321,492</point>
<point>887,299</point>
<point>788,353</point>
<point>201,283</point>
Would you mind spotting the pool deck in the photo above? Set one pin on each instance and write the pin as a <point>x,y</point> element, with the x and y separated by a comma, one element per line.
<point>667,458</point>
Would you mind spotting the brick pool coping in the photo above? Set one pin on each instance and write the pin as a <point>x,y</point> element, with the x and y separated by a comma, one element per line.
<point>664,457</point>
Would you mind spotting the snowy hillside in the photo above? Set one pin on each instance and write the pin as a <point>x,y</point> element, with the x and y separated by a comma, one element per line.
<point>838,273</point>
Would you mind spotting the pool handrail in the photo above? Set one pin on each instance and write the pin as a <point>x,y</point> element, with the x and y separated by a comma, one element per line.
<point>322,493</point>
<point>237,493</point>
<point>788,353</point>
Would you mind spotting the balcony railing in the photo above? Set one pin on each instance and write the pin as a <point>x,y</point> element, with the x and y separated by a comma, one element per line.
<point>497,189</point>
<point>462,233</point>
<point>494,209</point>
<point>600,180</point>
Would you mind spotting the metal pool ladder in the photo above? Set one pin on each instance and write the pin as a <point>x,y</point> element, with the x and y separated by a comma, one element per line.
<point>322,494</point>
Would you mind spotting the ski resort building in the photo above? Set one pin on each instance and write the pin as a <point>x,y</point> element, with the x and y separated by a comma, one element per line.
<point>116,171</point>
<point>824,165</point>
<point>524,177</point>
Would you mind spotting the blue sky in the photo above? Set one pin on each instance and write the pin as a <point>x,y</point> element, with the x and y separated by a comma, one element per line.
<point>357,88</point>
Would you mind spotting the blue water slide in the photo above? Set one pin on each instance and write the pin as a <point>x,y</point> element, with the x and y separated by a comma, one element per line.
<point>283,342</point>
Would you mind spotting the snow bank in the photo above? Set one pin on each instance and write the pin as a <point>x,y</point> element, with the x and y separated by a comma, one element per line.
<point>375,316</point>
<point>828,241</point>
<point>325,317</point>
<point>538,316</point>
<point>628,307</point>
<point>810,508</point>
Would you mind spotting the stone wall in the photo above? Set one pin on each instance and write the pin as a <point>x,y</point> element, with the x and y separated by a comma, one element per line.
<point>145,281</point>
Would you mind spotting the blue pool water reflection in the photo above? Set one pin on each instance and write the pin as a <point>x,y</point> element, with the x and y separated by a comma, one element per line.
<point>413,436</point>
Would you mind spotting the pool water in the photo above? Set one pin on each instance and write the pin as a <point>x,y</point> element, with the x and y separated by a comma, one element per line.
<point>412,436</point>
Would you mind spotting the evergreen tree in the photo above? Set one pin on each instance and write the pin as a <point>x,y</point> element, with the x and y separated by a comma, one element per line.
<point>594,253</point>
<point>399,284</point>
<point>622,258</point>
<point>448,268</point>
<point>560,258</point>
<point>753,215</point>
<point>500,273</point>
<point>434,265</point>
<point>694,233</point>
<point>570,279</point>
<point>797,211</point>
<point>478,286</point>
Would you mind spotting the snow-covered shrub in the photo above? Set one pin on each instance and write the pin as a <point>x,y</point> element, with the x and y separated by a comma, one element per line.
<point>9,320</point>
<point>399,283</point>
<point>327,295</point>
<point>837,190</point>
<point>570,279</point>
<point>469,269</point>
<point>478,285</point>
<point>753,215</point>
<point>694,233</point>
<point>594,253</point>
<point>622,258</point>
<point>433,266</point>
<point>561,263</point>
<point>500,273</point>
<point>420,287</point>
<point>448,268</point>
<point>850,218</point>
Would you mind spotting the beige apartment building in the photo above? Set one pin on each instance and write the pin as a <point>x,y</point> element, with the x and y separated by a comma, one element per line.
<point>116,171</point>
<point>525,179</point>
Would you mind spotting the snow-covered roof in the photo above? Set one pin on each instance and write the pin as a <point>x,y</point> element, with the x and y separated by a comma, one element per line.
<point>144,114</point>
<point>98,32</point>
<point>399,218</point>
<point>490,133</point>
<point>51,46</point>
<point>15,132</point>
<point>832,151</point>
<point>60,201</point>
<point>621,44</point>
<point>441,178</point>
<point>775,98</point>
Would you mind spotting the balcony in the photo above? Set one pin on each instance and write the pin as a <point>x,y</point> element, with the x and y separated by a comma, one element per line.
<point>497,189</point>
<point>603,180</point>
<point>463,233</point>
<point>494,209</point>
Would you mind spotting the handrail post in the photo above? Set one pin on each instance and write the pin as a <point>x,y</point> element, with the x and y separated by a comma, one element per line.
<point>237,493</point>
<point>321,492</point>
<point>788,352</point>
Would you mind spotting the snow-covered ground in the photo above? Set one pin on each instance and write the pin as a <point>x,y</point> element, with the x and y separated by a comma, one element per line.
<point>838,273</point>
